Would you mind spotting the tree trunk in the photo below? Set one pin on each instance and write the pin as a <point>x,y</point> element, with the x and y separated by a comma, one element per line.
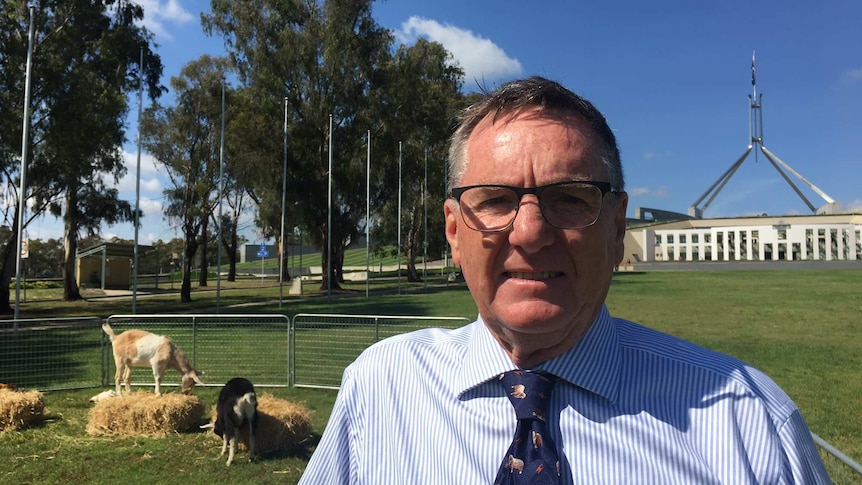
<point>231,254</point>
<point>190,250</point>
<point>335,270</point>
<point>9,268</point>
<point>412,245</point>
<point>202,277</point>
<point>70,245</point>
<point>285,272</point>
<point>412,274</point>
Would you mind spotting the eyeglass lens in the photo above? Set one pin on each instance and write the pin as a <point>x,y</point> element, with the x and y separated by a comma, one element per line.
<point>565,206</point>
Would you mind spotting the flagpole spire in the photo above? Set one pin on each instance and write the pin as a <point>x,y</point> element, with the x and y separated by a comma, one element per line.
<point>753,75</point>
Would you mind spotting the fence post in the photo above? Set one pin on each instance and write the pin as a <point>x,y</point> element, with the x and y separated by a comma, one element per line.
<point>291,357</point>
<point>194,341</point>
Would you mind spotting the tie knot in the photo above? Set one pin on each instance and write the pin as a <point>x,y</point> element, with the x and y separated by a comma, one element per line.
<point>529,392</point>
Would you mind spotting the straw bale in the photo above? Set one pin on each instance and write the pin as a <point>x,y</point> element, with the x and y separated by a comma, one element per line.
<point>19,409</point>
<point>145,414</point>
<point>283,426</point>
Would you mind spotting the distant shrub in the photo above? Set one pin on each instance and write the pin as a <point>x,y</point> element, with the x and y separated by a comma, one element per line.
<point>39,284</point>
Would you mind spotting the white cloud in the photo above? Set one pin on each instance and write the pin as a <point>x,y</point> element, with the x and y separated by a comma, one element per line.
<point>150,175</point>
<point>852,76</point>
<point>646,191</point>
<point>150,207</point>
<point>650,155</point>
<point>480,58</point>
<point>157,13</point>
<point>853,207</point>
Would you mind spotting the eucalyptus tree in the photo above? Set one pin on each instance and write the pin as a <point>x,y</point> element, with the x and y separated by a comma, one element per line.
<point>422,100</point>
<point>186,140</point>
<point>85,63</point>
<point>251,171</point>
<point>326,58</point>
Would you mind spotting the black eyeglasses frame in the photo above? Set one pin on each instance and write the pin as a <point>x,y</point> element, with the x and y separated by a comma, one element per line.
<point>456,193</point>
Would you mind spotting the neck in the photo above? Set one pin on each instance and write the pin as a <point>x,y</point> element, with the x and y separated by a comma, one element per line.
<point>527,353</point>
<point>527,350</point>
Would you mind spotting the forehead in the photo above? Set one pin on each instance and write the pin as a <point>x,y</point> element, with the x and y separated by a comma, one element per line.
<point>532,147</point>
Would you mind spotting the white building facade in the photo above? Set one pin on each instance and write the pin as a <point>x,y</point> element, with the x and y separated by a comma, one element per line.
<point>766,238</point>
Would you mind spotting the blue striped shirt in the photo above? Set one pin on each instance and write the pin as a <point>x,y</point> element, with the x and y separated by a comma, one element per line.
<point>635,406</point>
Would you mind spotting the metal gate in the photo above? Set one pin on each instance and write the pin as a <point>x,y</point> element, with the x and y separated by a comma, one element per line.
<point>222,346</point>
<point>322,345</point>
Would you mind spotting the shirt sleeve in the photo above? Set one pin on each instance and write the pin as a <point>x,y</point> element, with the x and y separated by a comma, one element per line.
<point>804,462</point>
<point>332,462</point>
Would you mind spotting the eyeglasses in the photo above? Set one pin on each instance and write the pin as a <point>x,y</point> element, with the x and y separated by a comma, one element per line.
<point>564,205</point>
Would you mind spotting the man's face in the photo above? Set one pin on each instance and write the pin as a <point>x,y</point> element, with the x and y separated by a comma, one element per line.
<point>534,284</point>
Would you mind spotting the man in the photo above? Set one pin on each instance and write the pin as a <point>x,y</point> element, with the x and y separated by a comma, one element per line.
<point>536,220</point>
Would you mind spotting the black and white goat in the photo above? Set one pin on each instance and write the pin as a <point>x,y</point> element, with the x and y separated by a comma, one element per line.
<point>236,409</point>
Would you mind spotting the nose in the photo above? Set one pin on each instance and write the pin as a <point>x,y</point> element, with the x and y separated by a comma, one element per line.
<point>530,231</point>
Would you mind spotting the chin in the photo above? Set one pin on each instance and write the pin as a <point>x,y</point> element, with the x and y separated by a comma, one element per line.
<point>535,317</point>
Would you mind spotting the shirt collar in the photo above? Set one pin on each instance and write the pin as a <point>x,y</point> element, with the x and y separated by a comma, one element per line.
<point>593,364</point>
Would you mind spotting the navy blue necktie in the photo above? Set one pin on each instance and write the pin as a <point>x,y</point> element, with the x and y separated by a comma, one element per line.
<point>532,457</point>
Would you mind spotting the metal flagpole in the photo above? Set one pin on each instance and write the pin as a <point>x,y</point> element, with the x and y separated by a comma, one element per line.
<point>283,209</point>
<point>329,220</point>
<point>445,269</point>
<point>23,189</point>
<point>398,240</point>
<point>425,208</point>
<point>220,193</point>
<point>368,213</point>
<point>138,187</point>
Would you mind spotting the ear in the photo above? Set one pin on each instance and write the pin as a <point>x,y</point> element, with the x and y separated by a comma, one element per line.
<point>451,211</point>
<point>619,225</point>
<point>198,379</point>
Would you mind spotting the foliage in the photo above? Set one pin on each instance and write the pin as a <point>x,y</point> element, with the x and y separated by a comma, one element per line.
<point>185,139</point>
<point>421,101</point>
<point>86,60</point>
<point>326,61</point>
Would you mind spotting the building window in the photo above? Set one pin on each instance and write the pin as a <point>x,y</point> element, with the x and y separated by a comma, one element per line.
<point>694,238</point>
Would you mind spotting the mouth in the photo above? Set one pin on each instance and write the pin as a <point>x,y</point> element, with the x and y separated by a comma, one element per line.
<point>539,276</point>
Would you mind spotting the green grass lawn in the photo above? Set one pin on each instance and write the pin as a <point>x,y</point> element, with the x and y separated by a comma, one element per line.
<point>801,327</point>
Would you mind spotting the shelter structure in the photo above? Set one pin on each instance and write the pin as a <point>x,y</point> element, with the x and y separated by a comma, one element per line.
<point>108,265</point>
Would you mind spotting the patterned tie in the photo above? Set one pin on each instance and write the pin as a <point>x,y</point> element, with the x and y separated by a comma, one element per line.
<point>532,457</point>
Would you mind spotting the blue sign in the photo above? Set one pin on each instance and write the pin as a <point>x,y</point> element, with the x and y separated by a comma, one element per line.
<point>263,252</point>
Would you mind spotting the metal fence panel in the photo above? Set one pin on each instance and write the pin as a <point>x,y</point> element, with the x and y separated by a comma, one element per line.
<point>51,354</point>
<point>842,469</point>
<point>272,351</point>
<point>222,346</point>
<point>324,344</point>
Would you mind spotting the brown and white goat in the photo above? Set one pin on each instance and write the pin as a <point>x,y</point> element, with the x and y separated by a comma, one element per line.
<point>137,348</point>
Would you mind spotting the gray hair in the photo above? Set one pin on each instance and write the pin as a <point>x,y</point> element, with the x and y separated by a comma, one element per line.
<point>540,93</point>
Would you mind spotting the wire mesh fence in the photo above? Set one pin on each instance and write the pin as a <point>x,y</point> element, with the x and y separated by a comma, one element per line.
<point>842,469</point>
<point>51,353</point>
<point>221,346</point>
<point>324,344</point>
<point>312,350</point>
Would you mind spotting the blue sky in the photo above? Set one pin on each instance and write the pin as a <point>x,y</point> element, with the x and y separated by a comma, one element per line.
<point>671,76</point>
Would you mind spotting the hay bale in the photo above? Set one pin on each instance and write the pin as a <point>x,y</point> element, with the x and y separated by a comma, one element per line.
<point>282,426</point>
<point>145,414</point>
<point>20,409</point>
